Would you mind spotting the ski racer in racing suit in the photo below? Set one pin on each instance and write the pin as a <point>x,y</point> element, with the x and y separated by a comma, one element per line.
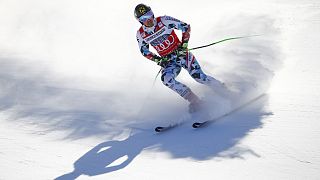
<point>173,53</point>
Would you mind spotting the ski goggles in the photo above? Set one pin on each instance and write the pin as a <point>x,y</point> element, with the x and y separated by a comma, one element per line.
<point>146,16</point>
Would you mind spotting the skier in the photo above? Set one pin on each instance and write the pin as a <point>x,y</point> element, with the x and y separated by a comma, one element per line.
<point>173,53</point>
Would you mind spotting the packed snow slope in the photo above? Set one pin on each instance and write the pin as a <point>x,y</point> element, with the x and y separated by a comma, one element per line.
<point>77,99</point>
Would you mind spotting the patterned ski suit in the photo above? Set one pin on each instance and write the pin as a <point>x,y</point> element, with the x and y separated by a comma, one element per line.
<point>163,38</point>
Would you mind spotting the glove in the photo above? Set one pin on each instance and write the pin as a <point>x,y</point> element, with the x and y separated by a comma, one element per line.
<point>185,45</point>
<point>182,49</point>
<point>161,61</point>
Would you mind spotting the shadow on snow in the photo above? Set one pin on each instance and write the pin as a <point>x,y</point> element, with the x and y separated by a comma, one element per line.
<point>219,139</point>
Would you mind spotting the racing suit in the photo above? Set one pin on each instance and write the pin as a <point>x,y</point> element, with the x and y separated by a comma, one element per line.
<point>165,41</point>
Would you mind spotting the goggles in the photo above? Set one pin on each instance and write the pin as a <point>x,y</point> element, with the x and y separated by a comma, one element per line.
<point>146,16</point>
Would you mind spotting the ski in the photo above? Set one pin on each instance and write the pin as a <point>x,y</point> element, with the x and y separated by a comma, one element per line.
<point>169,127</point>
<point>165,128</point>
<point>207,122</point>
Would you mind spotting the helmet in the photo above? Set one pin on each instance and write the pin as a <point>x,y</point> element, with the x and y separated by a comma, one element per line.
<point>140,10</point>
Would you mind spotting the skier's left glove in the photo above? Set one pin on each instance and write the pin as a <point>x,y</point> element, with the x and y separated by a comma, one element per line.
<point>182,49</point>
<point>161,61</point>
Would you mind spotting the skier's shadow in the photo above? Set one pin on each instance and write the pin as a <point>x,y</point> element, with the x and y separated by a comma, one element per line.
<point>182,142</point>
<point>109,156</point>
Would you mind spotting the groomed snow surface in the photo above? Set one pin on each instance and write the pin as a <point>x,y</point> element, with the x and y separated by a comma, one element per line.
<point>77,100</point>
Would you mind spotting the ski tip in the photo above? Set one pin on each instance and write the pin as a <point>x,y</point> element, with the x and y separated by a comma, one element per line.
<point>196,125</point>
<point>159,129</point>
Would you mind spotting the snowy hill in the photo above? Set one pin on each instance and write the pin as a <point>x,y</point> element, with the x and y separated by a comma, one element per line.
<point>77,100</point>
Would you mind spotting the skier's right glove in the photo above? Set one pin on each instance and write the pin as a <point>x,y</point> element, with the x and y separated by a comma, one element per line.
<point>161,61</point>
<point>182,49</point>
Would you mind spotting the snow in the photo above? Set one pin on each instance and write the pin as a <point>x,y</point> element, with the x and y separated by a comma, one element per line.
<point>77,101</point>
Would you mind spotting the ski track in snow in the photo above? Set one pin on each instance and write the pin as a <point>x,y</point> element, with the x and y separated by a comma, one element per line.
<point>70,109</point>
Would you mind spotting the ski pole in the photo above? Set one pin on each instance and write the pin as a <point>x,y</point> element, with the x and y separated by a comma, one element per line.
<point>227,39</point>
<point>217,42</point>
